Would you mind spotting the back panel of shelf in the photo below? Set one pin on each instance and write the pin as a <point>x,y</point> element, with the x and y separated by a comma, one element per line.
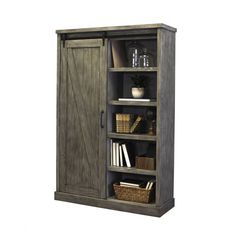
<point>122,45</point>
<point>119,85</point>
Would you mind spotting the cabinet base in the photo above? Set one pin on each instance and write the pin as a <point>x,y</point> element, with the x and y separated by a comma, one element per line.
<point>111,203</point>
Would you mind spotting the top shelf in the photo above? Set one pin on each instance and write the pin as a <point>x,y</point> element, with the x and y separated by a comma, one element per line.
<point>133,69</point>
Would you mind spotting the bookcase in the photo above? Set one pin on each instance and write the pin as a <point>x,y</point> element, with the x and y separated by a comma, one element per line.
<point>97,107</point>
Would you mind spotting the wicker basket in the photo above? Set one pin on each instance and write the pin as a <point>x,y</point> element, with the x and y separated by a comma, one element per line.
<point>133,194</point>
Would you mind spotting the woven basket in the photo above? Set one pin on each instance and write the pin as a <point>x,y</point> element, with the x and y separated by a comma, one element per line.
<point>133,194</point>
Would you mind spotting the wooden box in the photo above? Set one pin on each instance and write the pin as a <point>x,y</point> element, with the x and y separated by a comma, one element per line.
<point>147,163</point>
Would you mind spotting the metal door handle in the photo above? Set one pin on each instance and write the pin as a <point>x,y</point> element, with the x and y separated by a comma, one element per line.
<point>101,119</point>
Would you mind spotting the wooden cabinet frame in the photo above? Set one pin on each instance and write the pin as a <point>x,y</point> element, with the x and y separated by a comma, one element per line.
<point>83,124</point>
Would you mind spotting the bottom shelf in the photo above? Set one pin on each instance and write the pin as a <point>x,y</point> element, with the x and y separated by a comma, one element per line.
<point>114,199</point>
<point>111,203</point>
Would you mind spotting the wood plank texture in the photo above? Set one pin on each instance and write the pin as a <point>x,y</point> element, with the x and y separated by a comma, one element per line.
<point>118,28</point>
<point>62,119</point>
<point>144,137</point>
<point>110,203</point>
<point>165,115</point>
<point>131,170</point>
<point>58,111</point>
<point>133,69</point>
<point>103,107</point>
<point>132,103</point>
<point>88,43</point>
<point>81,143</point>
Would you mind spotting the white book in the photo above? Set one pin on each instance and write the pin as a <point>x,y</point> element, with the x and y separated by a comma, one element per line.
<point>126,155</point>
<point>148,184</point>
<point>117,154</point>
<point>111,161</point>
<point>135,99</point>
<point>113,154</point>
<point>121,156</point>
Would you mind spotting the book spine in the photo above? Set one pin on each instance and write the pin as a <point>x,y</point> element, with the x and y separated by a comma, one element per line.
<point>114,153</point>
<point>126,155</point>
<point>111,154</point>
<point>117,154</point>
<point>121,156</point>
<point>135,124</point>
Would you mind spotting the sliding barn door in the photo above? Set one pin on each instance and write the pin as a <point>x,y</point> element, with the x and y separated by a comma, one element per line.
<point>82,117</point>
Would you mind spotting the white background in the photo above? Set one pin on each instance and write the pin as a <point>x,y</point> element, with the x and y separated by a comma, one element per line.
<point>205,175</point>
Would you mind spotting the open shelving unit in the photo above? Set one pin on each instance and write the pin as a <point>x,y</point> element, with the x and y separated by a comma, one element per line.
<point>119,86</point>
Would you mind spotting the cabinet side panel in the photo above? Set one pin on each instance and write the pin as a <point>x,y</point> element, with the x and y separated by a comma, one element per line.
<point>58,110</point>
<point>62,118</point>
<point>165,114</point>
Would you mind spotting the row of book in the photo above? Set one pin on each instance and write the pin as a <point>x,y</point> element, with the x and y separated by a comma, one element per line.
<point>138,183</point>
<point>119,154</point>
<point>125,123</point>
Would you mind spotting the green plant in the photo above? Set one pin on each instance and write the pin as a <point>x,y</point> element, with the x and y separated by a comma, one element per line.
<point>139,81</point>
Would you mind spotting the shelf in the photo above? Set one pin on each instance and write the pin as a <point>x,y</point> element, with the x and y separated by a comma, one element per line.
<point>131,170</point>
<point>133,69</point>
<point>132,103</point>
<point>144,137</point>
<point>113,199</point>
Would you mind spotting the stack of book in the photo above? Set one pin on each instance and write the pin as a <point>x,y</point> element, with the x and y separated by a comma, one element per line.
<point>133,183</point>
<point>119,154</point>
<point>125,123</point>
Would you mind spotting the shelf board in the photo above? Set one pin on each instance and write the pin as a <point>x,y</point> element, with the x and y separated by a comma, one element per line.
<point>133,69</point>
<point>132,103</point>
<point>113,199</point>
<point>144,137</point>
<point>131,170</point>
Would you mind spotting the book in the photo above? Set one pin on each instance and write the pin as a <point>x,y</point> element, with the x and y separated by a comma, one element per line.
<point>111,153</point>
<point>117,154</point>
<point>136,99</point>
<point>119,123</point>
<point>147,186</point>
<point>123,122</point>
<point>132,183</point>
<point>150,184</point>
<point>126,155</point>
<point>135,124</point>
<point>114,154</point>
<point>121,156</point>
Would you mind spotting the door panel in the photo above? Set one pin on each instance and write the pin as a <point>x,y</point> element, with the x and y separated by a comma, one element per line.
<point>82,137</point>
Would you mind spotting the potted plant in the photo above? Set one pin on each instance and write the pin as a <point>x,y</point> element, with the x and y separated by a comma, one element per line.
<point>138,88</point>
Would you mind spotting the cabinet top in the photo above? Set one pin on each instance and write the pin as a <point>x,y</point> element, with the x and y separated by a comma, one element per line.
<point>116,28</point>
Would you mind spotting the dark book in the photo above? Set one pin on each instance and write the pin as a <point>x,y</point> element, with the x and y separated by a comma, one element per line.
<point>135,124</point>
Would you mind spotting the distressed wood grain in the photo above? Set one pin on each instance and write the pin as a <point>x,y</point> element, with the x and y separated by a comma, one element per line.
<point>80,145</point>
<point>119,28</point>
<point>165,115</point>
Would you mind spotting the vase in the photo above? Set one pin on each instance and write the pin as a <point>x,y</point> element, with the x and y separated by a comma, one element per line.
<point>137,92</point>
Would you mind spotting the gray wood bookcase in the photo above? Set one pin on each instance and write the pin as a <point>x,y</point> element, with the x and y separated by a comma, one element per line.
<point>88,88</point>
